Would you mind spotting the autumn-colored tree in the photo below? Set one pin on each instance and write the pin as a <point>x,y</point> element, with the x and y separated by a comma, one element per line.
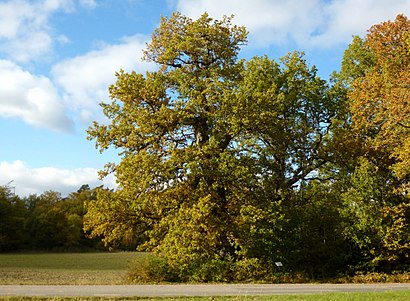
<point>375,144</point>
<point>380,98</point>
<point>178,162</point>
<point>212,148</point>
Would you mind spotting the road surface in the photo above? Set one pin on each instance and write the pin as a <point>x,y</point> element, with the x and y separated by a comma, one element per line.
<point>191,290</point>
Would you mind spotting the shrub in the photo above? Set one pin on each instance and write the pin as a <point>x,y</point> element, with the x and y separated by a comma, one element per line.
<point>212,271</point>
<point>151,268</point>
<point>251,269</point>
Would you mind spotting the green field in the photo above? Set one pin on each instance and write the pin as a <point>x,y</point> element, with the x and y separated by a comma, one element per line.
<point>65,268</point>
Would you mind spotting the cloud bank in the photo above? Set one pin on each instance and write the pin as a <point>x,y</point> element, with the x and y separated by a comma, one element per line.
<point>25,30</point>
<point>27,180</point>
<point>85,79</point>
<point>75,86</point>
<point>32,98</point>
<point>314,23</point>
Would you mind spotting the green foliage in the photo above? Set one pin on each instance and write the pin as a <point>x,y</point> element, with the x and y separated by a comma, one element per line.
<point>54,222</point>
<point>228,164</point>
<point>357,61</point>
<point>47,221</point>
<point>372,277</point>
<point>215,270</point>
<point>12,216</point>
<point>251,270</point>
<point>212,148</point>
<point>150,268</point>
<point>313,240</point>
<point>171,127</point>
<point>378,218</point>
<point>375,195</point>
<point>111,217</point>
<point>45,225</point>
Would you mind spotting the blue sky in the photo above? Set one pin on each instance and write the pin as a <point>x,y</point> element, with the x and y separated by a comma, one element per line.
<point>58,57</point>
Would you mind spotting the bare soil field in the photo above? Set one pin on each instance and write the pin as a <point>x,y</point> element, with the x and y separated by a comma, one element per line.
<point>65,268</point>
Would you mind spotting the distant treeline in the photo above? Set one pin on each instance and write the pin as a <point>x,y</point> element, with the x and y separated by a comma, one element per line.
<point>46,222</point>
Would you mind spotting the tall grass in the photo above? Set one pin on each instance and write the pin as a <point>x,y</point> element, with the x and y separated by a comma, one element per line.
<point>65,268</point>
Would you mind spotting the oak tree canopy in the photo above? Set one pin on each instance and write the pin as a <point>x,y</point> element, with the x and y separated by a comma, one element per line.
<point>225,161</point>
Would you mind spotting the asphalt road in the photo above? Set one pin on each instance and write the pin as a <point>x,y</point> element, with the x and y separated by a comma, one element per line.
<point>191,290</point>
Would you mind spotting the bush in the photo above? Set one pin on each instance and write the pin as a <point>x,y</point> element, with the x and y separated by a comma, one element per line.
<point>212,271</point>
<point>380,278</point>
<point>154,268</point>
<point>252,269</point>
<point>151,268</point>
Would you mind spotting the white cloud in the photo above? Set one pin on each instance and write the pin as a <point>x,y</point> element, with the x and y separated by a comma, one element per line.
<point>77,85</point>
<point>88,3</point>
<point>32,46</point>
<point>25,32</point>
<point>314,23</point>
<point>32,98</point>
<point>345,18</point>
<point>28,180</point>
<point>85,79</point>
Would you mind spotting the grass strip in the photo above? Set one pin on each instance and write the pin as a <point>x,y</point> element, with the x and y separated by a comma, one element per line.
<point>385,296</point>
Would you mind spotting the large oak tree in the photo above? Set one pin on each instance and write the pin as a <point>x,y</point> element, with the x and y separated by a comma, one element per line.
<point>213,147</point>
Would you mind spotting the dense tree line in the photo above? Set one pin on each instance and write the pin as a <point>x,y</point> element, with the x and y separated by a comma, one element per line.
<point>45,222</point>
<point>229,166</point>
